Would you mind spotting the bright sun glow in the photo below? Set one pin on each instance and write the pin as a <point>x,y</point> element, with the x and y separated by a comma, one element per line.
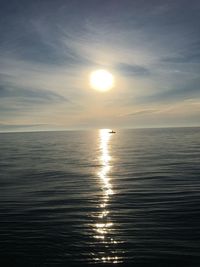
<point>101,80</point>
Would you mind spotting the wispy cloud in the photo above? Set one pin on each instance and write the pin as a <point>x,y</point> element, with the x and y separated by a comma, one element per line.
<point>31,95</point>
<point>48,51</point>
<point>10,127</point>
<point>139,112</point>
<point>178,94</point>
<point>132,70</point>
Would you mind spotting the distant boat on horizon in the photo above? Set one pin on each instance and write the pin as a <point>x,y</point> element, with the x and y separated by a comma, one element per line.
<point>112,132</point>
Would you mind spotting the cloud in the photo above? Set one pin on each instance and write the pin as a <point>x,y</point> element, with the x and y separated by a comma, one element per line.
<point>176,94</point>
<point>48,50</point>
<point>20,102</point>
<point>183,59</point>
<point>28,127</point>
<point>189,54</point>
<point>132,70</point>
<point>7,127</point>
<point>30,95</point>
<point>139,112</point>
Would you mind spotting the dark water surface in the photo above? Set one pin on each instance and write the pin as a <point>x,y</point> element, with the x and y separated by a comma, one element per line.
<point>94,198</point>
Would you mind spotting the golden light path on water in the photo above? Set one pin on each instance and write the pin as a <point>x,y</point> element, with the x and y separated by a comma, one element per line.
<point>104,227</point>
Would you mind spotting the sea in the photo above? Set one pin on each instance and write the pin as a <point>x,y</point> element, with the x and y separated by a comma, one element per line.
<point>95,198</point>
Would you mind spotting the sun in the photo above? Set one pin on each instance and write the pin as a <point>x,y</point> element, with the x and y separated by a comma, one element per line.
<point>101,80</point>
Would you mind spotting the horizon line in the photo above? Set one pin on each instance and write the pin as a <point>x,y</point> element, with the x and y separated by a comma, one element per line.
<point>95,129</point>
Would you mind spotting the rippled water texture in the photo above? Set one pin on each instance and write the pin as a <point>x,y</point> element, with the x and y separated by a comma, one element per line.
<point>95,198</point>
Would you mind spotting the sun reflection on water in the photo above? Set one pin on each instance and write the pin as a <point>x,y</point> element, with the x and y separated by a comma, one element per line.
<point>105,161</point>
<point>104,227</point>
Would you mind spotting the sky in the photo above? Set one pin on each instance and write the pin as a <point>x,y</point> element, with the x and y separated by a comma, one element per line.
<point>49,48</point>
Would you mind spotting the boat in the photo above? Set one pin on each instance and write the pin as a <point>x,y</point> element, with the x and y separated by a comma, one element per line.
<point>112,132</point>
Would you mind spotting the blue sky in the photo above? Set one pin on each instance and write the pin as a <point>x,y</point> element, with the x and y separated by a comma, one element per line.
<point>49,48</point>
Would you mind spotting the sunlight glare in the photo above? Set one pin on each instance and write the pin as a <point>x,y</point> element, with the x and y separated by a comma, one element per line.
<point>101,80</point>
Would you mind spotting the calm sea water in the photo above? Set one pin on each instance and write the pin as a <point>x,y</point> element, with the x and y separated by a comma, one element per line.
<point>95,198</point>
